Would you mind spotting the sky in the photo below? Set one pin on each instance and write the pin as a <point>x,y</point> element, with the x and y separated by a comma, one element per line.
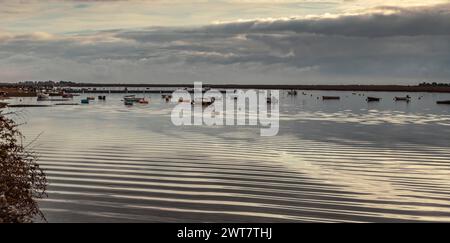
<point>226,41</point>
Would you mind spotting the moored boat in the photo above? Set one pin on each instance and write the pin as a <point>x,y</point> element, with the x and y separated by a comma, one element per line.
<point>331,97</point>
<point>131,98</point>
<point>55,94</point>
<point>207,102</point>
<point>66,104</point>
<point>27,105</point>
<point>203,101</point>
<point>373,99</point>
<point>143,101</point>
<point>443,102</point>
<point>67,96</point>
<point>85,101</point>
<point>43,97</point>
<point>406,98</point>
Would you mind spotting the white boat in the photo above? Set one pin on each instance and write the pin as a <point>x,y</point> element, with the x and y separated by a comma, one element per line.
<point>204,101</point>
<point>208,102</point>
<point>43,97</point>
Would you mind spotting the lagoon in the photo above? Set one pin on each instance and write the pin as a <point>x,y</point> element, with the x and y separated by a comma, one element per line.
<point>332,161</point>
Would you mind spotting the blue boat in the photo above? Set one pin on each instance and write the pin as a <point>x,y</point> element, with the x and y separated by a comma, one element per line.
<point>85,101</point>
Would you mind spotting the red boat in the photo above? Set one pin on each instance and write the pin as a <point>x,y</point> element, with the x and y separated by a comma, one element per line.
<point>143,101</point>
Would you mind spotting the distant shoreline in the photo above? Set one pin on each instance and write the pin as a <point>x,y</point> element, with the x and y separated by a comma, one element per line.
<point>15,89</point>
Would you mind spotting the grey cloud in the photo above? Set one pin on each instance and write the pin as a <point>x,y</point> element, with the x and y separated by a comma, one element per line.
<point>411,45</point>
<point>405,21</point>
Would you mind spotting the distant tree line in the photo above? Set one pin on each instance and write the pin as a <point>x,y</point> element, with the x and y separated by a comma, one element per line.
<point>46,83</point>
<point>434,84</point>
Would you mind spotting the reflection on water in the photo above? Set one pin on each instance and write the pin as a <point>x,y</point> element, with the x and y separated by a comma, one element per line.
<point>332,161</point>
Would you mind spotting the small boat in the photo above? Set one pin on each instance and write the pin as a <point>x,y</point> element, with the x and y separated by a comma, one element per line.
<point>66,104</point>
<point>101,97</point>
<point>67,96</point>
<point>131,98</point>
<point>43,97</point>
<point>90,98</point>
<point>143,101</point>
<point>406,98</point>
<point>85,101</point>
<point>331,97</point>
<point>292,92</point>
<point>207,102</point>
<point>373,99</point>
<point>55,94</point>
<point>128,103</point>
<point>27,106</point>
<point>203,101</point>
<point>443,102</point>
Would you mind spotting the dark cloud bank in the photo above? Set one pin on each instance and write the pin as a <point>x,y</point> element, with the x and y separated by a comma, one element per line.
<point>404,46</point>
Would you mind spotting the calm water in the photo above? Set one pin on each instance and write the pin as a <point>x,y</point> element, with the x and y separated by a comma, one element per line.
<point>333,161</point>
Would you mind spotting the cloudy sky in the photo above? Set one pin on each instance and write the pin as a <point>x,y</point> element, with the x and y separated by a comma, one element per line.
<point>226,41</point>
